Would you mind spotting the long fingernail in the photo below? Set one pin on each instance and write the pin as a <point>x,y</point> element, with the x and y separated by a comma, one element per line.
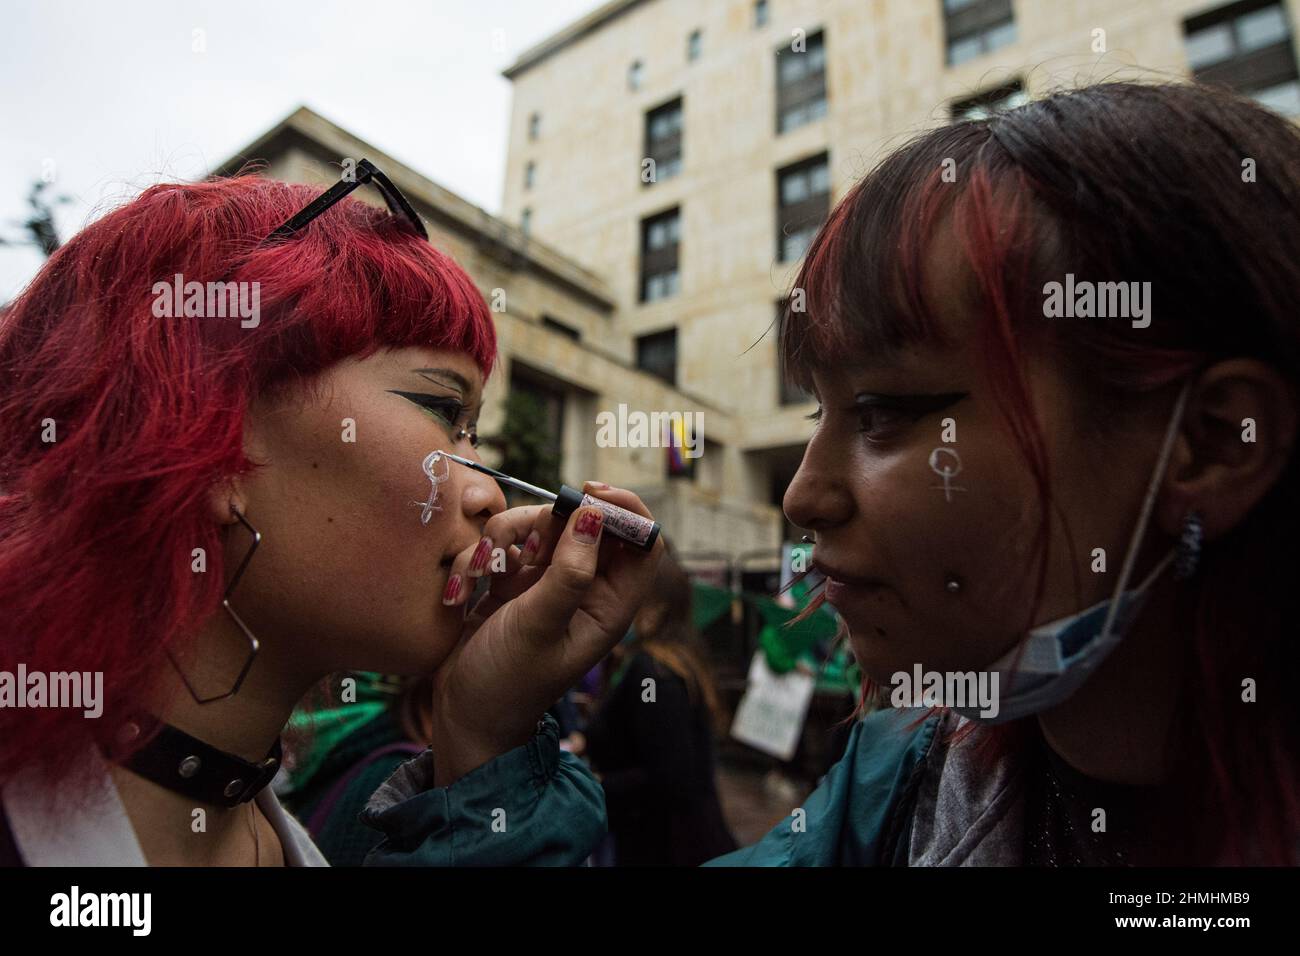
<point>452,590</point>
<point>588,525</point>
<point>480,559</point>
<point>530,547</point>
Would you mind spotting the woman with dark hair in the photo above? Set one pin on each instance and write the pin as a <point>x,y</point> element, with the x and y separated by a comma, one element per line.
<point>650,738</point>
<point>1056,355</point>
<point>210,507</point>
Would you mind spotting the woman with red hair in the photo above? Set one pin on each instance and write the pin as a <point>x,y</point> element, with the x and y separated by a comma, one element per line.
<point>209,502</point>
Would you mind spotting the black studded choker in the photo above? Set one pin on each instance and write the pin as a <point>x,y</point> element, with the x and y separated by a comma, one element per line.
<point>186,765</point>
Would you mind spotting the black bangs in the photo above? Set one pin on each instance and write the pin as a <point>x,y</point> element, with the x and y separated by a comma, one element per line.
<point>859,290</point>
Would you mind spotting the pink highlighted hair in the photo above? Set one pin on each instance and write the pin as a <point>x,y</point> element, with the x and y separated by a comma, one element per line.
<point>98,526</point>
<point>1113,181</point>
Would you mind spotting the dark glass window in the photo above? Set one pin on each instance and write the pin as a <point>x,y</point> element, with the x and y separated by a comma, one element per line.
<point>800,83</point>
<point>975,27</point>
<point>663,140</point>
<point>660,241</point>
<point>1247,47</point>
<point>562,327</point>
<point>803,200</point>
<point>657,354</point>
<point>985,104</point>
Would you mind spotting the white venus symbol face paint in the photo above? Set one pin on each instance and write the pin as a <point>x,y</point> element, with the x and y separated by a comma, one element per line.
<point>438,470</point>
<point>946,470</point>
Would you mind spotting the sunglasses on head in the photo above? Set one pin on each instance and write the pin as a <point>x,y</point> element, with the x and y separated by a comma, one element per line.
<point>365,172</point>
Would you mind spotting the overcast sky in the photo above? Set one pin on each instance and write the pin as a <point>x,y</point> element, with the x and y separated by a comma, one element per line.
<point>116,97</point>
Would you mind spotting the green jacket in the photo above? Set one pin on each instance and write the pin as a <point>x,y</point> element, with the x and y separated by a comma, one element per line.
<point>860,814</point>
<point>537,805</point>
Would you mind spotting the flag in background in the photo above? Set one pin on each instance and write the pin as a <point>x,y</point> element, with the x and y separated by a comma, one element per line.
<point>676,439</point>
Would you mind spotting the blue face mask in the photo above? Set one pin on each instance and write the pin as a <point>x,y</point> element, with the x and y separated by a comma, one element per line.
<point>1058,657</point>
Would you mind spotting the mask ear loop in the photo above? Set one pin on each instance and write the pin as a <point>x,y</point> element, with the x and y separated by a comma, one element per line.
<point>437,476</point>
<point>1148,503</point>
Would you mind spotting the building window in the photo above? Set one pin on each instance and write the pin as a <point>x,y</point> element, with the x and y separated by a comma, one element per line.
<point>531,438</point>
<point>663,140</point>
<point>526,221</point>
<point>555,325</point>
<point>803,199</point>
<point>760,13</point>
<point>530,175</point>
<point>660,240</point>
<point>983,105</point>
<point>534,125</point>
<point>976,27</point>
<point>635,74</point>
<point>694,45</point>
<point>1247,47</point>
<point>800,83</point>
<point>791,394</point>
<point>657,354</point>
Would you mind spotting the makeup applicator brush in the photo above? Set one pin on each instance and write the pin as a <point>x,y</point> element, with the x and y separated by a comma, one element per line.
<point>628,525</point>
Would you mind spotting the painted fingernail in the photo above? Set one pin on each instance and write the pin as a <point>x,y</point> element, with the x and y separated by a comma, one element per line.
<point>597,484</point>
<point>530,547</point>
<point>588,525</point>
<point>453,589</point>
<point>480,559</point>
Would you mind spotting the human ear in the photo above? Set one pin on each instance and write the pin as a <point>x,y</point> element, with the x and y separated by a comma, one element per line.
<point>224,496</point>
<point>1236,439</point>
<point>231,491</point>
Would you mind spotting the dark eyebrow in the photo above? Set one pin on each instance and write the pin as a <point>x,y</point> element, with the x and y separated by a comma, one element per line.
<point>460,380</point>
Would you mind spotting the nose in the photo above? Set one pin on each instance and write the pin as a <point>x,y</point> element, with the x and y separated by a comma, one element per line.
<point>480,497</point>
<point>818,496</point>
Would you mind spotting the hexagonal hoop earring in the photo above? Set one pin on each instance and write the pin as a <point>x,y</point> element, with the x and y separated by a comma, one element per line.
<point>253,644</point>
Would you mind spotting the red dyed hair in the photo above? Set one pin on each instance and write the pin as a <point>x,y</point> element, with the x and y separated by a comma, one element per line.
<point>1116,181</point>
<point>96,527</point>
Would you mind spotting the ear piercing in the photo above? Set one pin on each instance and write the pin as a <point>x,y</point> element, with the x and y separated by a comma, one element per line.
<point>1188,553</point>
<point>953,583</point>
<point>808,539</point>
